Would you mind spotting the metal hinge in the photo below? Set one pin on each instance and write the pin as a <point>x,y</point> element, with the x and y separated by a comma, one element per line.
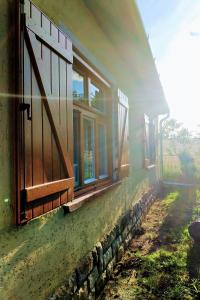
<point>25,106</point>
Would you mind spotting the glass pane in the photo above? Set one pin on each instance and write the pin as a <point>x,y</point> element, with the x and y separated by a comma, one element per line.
<point>76,149</point>
<point>96,97</point>
<point>103,163</point>
<point>78,86</point>
<point>89,150</point>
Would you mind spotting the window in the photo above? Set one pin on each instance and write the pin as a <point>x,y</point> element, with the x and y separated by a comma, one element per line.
<point>96,96</point>
<point>78,86</point>
<point>89,150</point>
<point>149,141</point>
<point>66,147</point>
<point>103,159</point>
<point>92,124</point>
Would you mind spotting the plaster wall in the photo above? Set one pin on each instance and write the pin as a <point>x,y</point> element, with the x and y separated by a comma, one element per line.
<point>37,258</point>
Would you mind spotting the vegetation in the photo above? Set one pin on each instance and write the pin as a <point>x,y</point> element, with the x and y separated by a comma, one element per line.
<point>181,153</point>
<point>162,263</point>
<point>172,129</point>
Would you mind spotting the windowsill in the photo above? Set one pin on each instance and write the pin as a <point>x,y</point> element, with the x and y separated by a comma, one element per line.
<point>150,167</point>
<point>103,176</point>
<point>81,200</point>
<point>87,181</point>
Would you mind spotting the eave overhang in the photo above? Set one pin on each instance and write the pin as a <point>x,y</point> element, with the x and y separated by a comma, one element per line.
<point>121,22</point>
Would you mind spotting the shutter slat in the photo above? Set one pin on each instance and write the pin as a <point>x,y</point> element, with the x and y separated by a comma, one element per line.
<point>43,190</point>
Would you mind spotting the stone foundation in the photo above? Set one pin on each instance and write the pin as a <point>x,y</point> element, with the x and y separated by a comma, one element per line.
<point>95,270</point>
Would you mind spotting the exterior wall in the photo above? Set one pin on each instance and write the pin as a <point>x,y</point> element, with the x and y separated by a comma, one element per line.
<point>90,277</point>
<point>37,258</point>
<point>6,61</point>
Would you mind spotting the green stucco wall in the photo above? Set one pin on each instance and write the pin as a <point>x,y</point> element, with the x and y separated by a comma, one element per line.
<point>6,50</point>
<point>37,258</point>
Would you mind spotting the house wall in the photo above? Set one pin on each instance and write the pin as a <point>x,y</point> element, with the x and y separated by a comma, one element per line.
<point>38,257</point>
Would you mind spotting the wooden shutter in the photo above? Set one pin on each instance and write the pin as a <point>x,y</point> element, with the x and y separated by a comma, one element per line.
<point>46,132</point>
<point>123,135</point>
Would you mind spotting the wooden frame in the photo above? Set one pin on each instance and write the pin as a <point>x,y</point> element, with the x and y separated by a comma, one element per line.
<point>30,31</point>
<point>36,195</point>
<point>99,117</point>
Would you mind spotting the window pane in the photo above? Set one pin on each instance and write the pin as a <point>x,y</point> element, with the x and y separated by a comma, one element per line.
<point>103,163</point>
<point>89,150</point>
<point>96,97</point>
<point>78,86</point>
<point>76,149</point>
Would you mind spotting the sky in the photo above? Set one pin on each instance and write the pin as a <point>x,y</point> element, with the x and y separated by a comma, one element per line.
<point>173,27</point>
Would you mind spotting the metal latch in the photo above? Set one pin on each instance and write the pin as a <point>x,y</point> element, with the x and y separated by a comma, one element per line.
<point>25,106</point>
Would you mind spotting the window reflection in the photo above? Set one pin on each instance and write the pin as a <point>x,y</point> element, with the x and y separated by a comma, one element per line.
<point>78,86</point>
<point>89,150</point>
<point>96,97</point>
<point>103,162</point>
<point>76,148</point>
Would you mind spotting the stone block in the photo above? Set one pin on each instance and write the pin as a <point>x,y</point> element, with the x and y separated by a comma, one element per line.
<point>107,241</point>
<point>107,257</point>
<point>124,222</point>
<point>120,252</point>
<point>109,269</point>
<point>95,256</point>
<point>134,220</point>
<point>84,269</point>
<point>100,283</point>
<point>91,295</point>
<point>72,283</point>
<point>125,233</point>
<point>100,257</point>
<point>115,245</point>
<point>128,240</point>
<point>83,292</point>
<point>92,278</point>
<point>117,230</point>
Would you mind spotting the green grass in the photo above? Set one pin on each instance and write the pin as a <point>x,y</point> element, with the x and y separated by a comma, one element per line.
<point>164,273</point>
<point>170,268</point>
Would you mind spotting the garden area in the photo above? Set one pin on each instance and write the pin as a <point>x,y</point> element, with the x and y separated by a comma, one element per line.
<point>180,153</point>
<point>162,261</point>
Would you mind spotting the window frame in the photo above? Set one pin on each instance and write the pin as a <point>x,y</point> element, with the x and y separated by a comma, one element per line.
<point>85,109</point>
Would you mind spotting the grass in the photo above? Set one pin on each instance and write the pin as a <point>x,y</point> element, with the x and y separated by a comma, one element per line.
<point>163,263</point>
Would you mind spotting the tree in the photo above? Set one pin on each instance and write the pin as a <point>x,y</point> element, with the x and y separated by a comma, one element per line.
<point>184,135</point>
<point>171,128</point>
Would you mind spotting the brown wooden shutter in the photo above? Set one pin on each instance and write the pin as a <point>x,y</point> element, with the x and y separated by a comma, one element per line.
<point>47,109</point>
<point>123,135</point>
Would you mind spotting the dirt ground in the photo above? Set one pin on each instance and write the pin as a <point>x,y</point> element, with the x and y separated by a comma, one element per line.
<point>162,262</point>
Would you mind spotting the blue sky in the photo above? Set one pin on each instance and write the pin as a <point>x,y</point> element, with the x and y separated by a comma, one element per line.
<point>173,27</point>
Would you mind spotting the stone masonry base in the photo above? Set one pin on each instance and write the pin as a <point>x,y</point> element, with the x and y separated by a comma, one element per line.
<point>95,270</point>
